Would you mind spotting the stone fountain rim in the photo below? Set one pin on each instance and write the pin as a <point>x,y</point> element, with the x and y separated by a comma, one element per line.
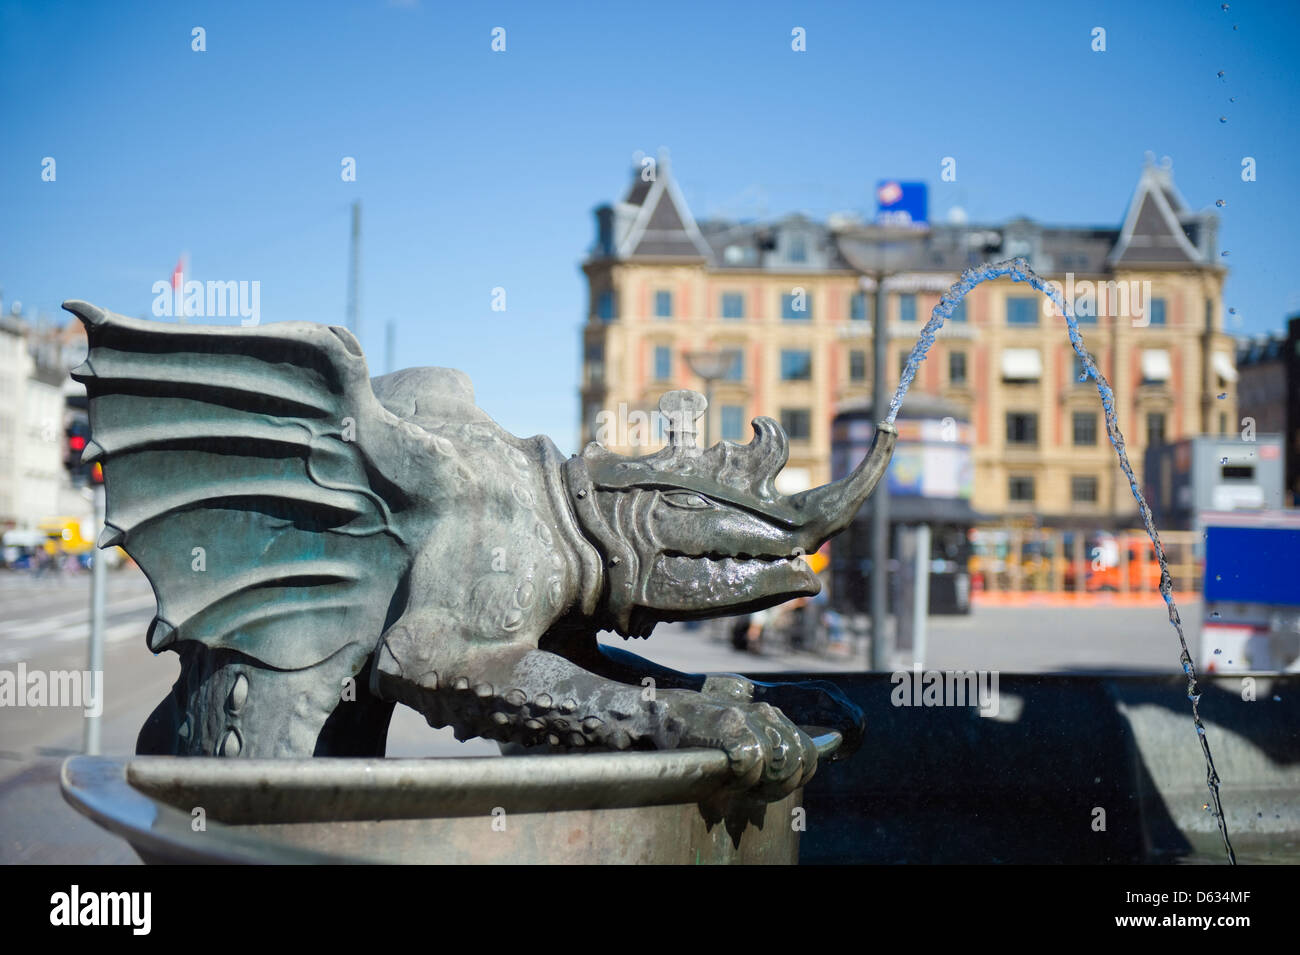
<point>148,800</point>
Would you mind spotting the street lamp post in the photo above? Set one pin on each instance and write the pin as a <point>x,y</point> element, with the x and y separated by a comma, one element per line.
<point>711,366</point>
<point>877,253</point>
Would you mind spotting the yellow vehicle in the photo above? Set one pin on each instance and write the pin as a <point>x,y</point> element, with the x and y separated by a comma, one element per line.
<point>63,535</point>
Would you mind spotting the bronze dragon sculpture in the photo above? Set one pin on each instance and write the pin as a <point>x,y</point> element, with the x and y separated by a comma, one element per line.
<point>323,545</point>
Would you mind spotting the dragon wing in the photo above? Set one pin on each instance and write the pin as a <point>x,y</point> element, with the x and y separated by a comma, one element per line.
<point>270,499</point>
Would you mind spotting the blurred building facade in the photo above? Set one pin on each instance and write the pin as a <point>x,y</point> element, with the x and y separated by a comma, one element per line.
<point>34,392</point>
<point>1262,385</point>
<point>781,300</point>
<point>31,431</point>
<point>1291,433</point>
<point>1269,393</point>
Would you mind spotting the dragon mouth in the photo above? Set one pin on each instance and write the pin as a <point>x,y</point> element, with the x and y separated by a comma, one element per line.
<point>716,585</point>
<point>714,557</point>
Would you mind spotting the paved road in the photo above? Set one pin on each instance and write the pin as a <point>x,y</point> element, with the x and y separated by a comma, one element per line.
<point>44,625</point>
<point>1010,639</point>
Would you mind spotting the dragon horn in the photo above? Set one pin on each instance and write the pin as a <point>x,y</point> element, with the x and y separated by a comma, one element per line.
<point>831,507</point>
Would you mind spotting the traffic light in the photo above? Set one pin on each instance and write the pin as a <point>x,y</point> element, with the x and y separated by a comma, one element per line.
<point>78,436</point>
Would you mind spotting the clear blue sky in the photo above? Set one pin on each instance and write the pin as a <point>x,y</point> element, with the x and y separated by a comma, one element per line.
<point>479,169</point>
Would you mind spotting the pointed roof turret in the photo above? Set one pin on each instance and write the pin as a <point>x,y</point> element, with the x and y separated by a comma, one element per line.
<point>654,218</point>
<point>1160,228</point>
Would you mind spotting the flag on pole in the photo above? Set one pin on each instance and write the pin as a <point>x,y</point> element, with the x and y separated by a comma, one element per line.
<point>178,286</point>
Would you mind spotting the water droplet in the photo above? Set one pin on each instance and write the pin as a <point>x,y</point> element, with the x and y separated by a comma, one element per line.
<point>1223,119</point>
<point>1217,651</point>
<point>1223,7</point>
<point>1232,311</point>
<point>1277,699</point>
<point>1218,576</point>
<point>1215,616</point>
<point>1232,99</point>
<point>1222,395</point>
<point>1219,74</point>
<point>1225,252</point>
<point>1223,460</point>
<point>1220,203</point>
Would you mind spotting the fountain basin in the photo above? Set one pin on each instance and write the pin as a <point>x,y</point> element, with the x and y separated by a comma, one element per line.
<point>633,807</point>
<point>1078,768</point>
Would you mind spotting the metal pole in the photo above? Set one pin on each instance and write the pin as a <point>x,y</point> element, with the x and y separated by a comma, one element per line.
<point>96,664</point>
<point>354,273</point>
<point>880,651</point>
<point>921,595</point>
<point>708,412</point>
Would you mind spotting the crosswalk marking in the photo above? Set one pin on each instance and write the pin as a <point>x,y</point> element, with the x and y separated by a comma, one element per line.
<point>79,618</point>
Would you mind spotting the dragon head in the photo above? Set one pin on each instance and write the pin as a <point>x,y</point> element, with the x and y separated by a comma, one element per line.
<point>687,533</point>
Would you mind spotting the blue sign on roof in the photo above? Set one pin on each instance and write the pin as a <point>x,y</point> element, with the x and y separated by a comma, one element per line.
<point>901,203</point>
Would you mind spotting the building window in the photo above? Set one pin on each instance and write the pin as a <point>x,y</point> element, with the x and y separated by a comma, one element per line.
<point>907,308</point>
<point>796,306</point>
<point>857,365</point>
<point>733,305</point>
<point>663,304</point>
<point>594,356</point>
<point>663,363</point>
<point>1155,428</point>
<point>796,365</point>
<point>797,423</point>
<point>957,368</point>
<point>1085,428</point>
<point>590,412</point>
<point>1084,310</point>
<point>1022,365</point>
<point>1223,422</point>
<point>1020,487</point>
<point>1157,310</point>
<point>1083,490</point>
<point>798,249</point>
<point>733,422</point>
<point>1022,310</point>
<point>859,307</point>
<point>958,312</point>
<point>1157,368</point>
<point>606,310</point>
<point>1022,427</point>
<point>736,370</point>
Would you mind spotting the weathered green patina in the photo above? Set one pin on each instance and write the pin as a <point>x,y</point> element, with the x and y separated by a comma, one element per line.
<point>323,545</point>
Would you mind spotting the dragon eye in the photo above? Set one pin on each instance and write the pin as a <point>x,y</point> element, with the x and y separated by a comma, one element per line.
<point>686,499</point>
